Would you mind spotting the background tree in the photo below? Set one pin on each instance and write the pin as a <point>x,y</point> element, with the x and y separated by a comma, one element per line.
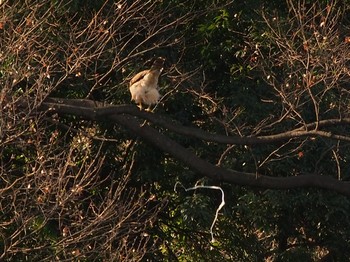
<point>253,102</point>
<point>65,190</point>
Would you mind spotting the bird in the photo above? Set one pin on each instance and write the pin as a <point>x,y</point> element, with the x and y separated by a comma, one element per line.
<point>144,85</point>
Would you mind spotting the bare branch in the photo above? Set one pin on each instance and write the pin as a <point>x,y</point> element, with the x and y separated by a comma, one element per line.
<point>203,167</point>
<point>88,109</point>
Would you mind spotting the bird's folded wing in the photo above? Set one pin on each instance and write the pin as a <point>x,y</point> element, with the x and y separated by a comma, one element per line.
<point>138,76</point>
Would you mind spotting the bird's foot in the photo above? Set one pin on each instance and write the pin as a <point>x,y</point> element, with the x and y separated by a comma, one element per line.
<point>149,109</point>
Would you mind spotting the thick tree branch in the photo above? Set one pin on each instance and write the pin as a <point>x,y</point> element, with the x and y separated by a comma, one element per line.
<point>99,110</point>
<point>123,115</point>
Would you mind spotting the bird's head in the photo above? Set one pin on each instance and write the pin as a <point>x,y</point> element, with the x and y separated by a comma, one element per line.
<point>158,63</point>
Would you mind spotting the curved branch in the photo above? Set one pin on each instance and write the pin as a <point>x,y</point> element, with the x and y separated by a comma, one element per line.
<point>100,110</point>
<point>179,152</point>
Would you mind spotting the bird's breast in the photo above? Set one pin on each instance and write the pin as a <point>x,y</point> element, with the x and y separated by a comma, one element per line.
<point>151,84</point>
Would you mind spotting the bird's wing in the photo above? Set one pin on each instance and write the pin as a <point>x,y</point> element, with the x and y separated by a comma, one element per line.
<point>138,76</point>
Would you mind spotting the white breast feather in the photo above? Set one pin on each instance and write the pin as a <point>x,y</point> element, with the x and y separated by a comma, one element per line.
<point>145,91</point>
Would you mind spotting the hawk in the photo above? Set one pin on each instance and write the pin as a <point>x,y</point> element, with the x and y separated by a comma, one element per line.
<point>144,85</point>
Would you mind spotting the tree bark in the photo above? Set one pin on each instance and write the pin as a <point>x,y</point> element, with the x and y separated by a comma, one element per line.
<point>129,117</point>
